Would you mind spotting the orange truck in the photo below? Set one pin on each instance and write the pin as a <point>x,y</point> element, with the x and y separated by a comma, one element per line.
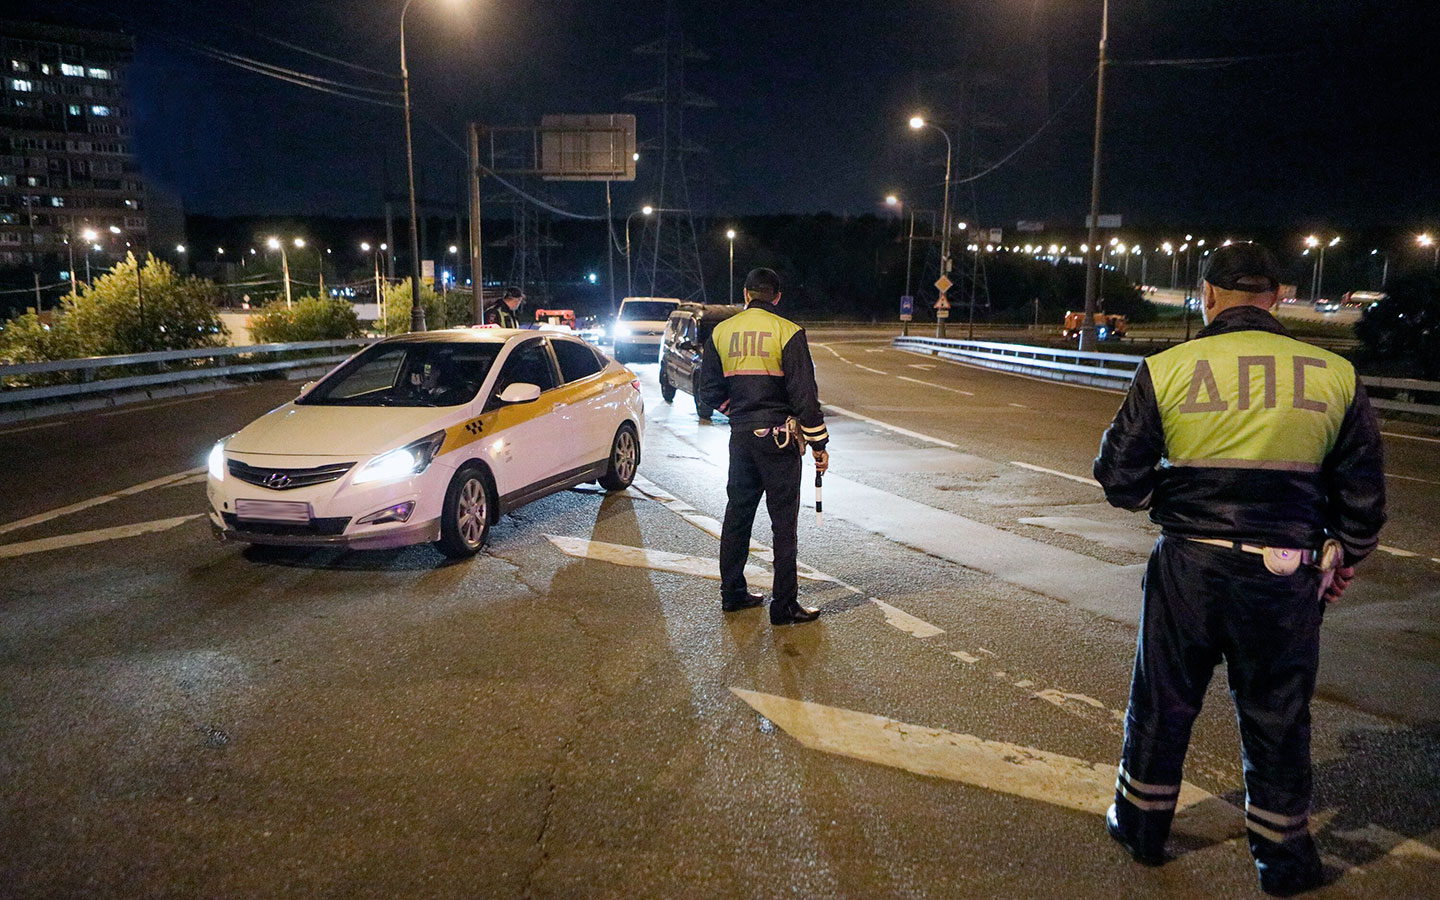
<point>1109,326</point>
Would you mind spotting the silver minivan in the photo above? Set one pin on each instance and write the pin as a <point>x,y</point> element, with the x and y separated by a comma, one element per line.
<point>639,325</point>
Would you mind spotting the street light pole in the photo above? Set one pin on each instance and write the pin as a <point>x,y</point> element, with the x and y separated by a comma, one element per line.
<point>730,236</point>
<point>417,312</point>
<point>630,285</point>
<point>1426,240</point>
<point>1087,325</point>
<point>941,314</point>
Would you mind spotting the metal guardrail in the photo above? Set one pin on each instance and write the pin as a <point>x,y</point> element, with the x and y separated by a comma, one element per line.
<point>249,360</point>
<point>1115,370</point>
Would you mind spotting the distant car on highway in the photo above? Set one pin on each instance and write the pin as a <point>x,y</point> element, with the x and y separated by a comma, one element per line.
<point>686,332</point>
<point>638,326</point>
<point>1326,305</point>
<point>428,437</point>
<point>1363,299</point>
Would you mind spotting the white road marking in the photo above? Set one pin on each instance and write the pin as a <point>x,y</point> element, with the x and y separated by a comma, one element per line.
<point>653,491</point>
<point>875,350</point>
<point>1393,844</point>
<point>1395,551</point>
<point>903,621</point>
<point>1050,381</point>
<point>895,428</point>
<point>1090,481</point>
<point>36,519</point>
<point>925,366</point>
<point>131,409</point>
<point>934,385</point>
<point>660,560</point>
<point>1060,698</point>
<point>1411,478</point>
<point>63,541</point>
<point>1013,769</point>
<point>868,369</point>
<point>1411,437</point>
<point>964,657</point>
<point>833,351</point>
<point>1121,537</point>
<point>1019,405</point>
<point>34,427</point>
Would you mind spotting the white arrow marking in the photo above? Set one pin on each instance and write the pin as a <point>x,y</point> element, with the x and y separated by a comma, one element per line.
<point>903,621</point>
<point>660,560</point>
<point>931,384</point>
<point>1090,481</point>
<point>995,765</point>
<point>60,542</point>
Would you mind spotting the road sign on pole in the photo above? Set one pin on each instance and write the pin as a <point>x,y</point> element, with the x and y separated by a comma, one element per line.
<point>907,308</point>
<point>943,284</point>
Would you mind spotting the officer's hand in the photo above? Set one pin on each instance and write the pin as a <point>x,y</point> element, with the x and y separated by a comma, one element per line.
<point>1343,576</point>
<point>822,460</point>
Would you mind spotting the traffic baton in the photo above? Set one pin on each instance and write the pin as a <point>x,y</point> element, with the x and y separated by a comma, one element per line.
<point>819,509</point>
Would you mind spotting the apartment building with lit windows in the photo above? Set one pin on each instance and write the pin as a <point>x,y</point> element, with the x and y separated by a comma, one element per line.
<point>68,174</point>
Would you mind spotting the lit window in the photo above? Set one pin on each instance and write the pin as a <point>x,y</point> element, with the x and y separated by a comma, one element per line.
<point>20,84</point>
<point>73,71</point>
<point>17,65</point>
<point>99,110</point>
<point>57,201</point>
<point>7,180</point>
<point>102,74</point>
<point>74,109</point>
<point>45,69</point>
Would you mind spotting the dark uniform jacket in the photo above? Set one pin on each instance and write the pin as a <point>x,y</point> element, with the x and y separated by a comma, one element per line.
<point>759,363</point>
<point>500,314</point>
<point>1250,435</point>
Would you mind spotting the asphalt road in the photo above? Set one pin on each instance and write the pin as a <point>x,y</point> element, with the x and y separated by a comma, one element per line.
<point>567,716</point>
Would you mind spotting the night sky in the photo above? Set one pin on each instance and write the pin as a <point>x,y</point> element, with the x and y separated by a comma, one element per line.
<point>1339,125</point>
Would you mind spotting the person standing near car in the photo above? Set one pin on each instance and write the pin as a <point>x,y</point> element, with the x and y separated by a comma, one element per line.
<point>756,369</point>
<point>1260,458</point>
<point>505,313</point>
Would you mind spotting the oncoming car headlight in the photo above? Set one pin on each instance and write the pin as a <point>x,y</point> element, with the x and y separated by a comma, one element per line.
<point>622,331</point>
<point>411,459</point>
<point>216,462</point>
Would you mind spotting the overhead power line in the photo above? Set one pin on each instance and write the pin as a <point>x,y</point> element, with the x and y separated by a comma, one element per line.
<point>1031,139</point>
<point>1203,62</point>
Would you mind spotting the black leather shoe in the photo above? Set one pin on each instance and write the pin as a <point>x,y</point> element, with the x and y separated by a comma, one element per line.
<point>1144,857</point>
<point>749,601</point>
<point>791,613</point>
<point>1279,883</point>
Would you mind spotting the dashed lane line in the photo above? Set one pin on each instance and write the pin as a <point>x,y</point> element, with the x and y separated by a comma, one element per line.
<point>64,541</point>
<point>895,428</point>
<point>932,384</point>
<point>36,519</point>
<point>1411,478</point>
<point>1034,468</point>
<point>34,427</point>
<point>868,369</point>
<point>1411,437</point>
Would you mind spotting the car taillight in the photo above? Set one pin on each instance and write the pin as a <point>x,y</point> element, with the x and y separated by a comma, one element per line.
<point>635,384</point>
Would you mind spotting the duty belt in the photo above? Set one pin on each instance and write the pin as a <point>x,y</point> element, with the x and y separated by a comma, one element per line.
<point>1285,560</point>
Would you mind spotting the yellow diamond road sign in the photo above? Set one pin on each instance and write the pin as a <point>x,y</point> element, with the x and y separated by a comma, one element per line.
<point>943,283</point>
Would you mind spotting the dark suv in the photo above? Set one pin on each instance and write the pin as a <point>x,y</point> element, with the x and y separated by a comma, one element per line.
<point>686,332</point>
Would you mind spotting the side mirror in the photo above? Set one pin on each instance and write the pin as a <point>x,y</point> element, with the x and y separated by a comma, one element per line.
<point>520,392</point>
<point>688,346</point>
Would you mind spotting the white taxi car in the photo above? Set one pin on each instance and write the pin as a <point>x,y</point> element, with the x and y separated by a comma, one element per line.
<point>429,436</point>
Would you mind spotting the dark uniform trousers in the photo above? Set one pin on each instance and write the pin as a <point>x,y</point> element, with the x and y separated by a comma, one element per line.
<point>1203,604</point>
<point>758,465</point>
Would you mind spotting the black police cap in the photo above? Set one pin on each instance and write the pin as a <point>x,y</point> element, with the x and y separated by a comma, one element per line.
<point>1243,267</point>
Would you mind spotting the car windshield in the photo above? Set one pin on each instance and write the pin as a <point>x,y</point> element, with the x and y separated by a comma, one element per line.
<point>408,374</point>
<point>645,310</point>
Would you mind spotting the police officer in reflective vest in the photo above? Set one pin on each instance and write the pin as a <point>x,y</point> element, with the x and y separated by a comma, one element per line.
<point>1259,457</point>
<point>505,312</point>
<point>756,368</point>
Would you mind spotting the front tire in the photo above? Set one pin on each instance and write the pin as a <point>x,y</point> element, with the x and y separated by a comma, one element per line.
<point>465,516</point>
<point>624,459</point>
<point>667,390</point>
<point>701,409</point>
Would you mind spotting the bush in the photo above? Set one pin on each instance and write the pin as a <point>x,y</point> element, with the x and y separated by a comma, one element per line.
<point>1402,333</point>
<point>311,319</point>
<point>106,317</point>
<point>441,311</point>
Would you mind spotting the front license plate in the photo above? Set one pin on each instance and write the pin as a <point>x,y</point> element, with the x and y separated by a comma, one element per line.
<point>272,511</point>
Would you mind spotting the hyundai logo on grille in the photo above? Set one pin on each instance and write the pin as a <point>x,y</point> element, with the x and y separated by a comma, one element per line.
<point>276,480</point>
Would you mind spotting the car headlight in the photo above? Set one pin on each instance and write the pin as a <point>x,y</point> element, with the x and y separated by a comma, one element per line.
<point>622,331</point>
<point>411,459</point>
<point>216,463</point>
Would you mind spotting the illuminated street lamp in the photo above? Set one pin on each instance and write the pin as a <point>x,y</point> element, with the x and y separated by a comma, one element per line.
<point>274,243</point>
<point>1427,240</point>
<point>730,236</point>
<point>917,123</point>
<point>1317,277</point>
<point>629,283</point>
